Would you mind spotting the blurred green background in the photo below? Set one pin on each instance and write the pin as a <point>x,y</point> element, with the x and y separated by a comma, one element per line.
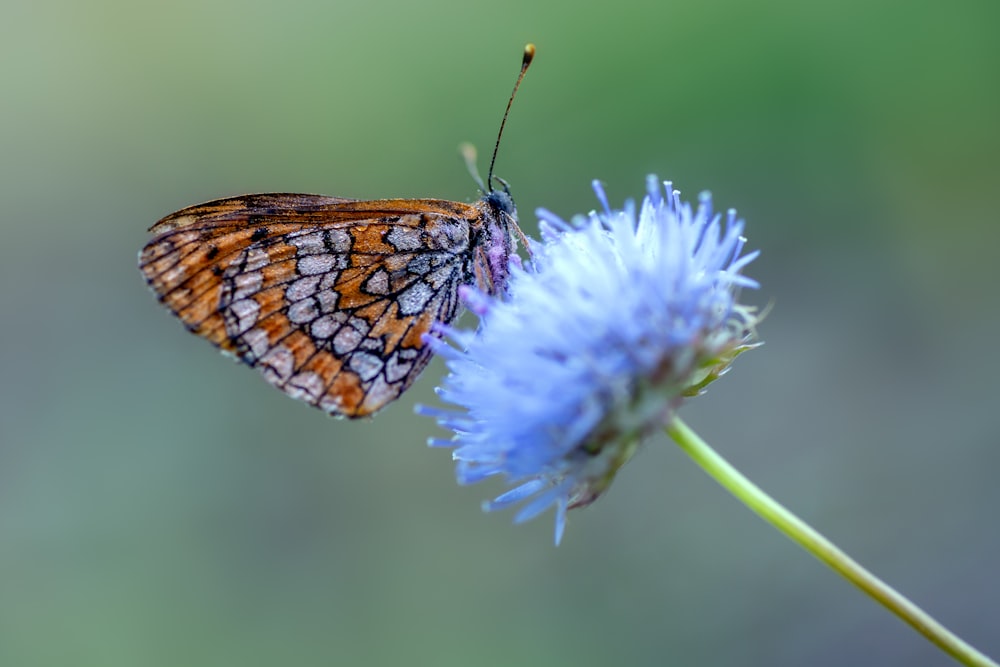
<point>160,505</point>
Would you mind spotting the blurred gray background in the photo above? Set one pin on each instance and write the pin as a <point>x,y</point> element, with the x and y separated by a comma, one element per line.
<point>160,505</point>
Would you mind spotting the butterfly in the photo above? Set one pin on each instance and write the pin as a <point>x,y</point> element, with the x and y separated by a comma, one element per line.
<point>330,298</point>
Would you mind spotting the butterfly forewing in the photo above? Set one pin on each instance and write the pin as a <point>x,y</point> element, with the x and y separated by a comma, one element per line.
<point>327,297</point>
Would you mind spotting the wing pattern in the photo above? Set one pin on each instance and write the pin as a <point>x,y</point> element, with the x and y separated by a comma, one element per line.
<point>328,298</point>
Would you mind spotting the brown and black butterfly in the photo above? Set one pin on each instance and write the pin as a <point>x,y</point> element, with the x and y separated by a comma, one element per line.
<point>329,297</point>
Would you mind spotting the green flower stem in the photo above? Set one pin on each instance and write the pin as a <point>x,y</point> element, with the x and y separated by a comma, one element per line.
<point>820,547</point>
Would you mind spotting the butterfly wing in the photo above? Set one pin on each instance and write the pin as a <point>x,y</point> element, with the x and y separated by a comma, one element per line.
<point>327,297</point>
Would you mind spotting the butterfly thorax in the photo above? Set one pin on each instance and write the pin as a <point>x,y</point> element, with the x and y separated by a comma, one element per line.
<point>495,239</point>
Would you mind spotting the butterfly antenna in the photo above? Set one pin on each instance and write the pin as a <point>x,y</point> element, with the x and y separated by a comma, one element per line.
<point>469,155</point>
<point>529,54</point>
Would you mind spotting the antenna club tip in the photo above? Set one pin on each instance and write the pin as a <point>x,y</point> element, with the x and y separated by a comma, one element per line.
<point>529,53</point>
<point>467,150</point>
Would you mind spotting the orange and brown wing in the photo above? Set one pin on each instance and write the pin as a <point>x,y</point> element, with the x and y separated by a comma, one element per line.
<point>327,297</point>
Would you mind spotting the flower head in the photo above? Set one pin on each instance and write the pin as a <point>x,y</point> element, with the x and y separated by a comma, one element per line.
<point>621,315</point>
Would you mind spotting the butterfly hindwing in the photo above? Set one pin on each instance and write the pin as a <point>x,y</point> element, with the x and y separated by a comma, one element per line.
<point>327,297</point>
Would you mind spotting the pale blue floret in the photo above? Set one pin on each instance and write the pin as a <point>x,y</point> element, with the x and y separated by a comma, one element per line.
<point>620,315</point>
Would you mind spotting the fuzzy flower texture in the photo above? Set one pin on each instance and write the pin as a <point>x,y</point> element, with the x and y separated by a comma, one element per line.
<point>620,315</point>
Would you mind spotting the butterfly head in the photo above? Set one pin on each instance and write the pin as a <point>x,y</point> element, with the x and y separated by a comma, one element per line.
<point>501,202</point>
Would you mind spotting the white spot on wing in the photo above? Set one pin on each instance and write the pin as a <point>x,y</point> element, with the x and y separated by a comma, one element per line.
<point>338,240</point>
<point>441,276</point>
<point>396,371</point>
<point>327,300</point>
<point>257,343</point>
<point>379,393</point>
<point>303,311</point>
<point>450,235</point>
<point>414,298</point>
<point>365,365</point>
<point>327,325</point>
<point>377,283</point>
<point>360,324</point>
<point>277,364</point>
<point>313,264</point>
<point>331,403</point>
<point>419,265</point>
<point>404,238</point>
<point>244,314</point>
<point>247,284</point>
<point>303,288</point>
<point>256,259</point>
<point>307,386</point>
<point>309,244</point>
<point>346,340</point>
<point>329,280</point>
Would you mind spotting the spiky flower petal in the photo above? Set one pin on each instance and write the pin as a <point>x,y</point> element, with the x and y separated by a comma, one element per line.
<point>621,315</point>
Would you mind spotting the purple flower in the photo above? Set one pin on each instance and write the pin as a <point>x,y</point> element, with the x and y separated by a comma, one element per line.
<point>621,315</point>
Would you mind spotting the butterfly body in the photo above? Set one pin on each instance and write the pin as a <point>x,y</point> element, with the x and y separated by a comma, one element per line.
<point>329,298</point>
